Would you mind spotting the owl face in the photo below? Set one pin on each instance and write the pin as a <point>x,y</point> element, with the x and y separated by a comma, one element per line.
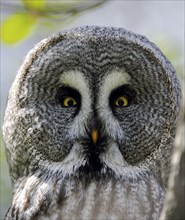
<point>92,102</point>
<point>89,127</point>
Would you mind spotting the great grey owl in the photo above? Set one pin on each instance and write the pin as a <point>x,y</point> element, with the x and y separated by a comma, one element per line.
<point>89,127</point>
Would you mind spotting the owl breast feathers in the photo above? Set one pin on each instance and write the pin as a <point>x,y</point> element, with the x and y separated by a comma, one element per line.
<point>89,127</point>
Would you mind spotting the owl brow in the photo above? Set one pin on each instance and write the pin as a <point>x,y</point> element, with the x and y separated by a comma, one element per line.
<point>68,91</point>
<point>125,90</point>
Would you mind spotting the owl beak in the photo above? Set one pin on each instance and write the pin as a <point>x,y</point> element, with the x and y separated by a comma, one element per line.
<point>94,136</point>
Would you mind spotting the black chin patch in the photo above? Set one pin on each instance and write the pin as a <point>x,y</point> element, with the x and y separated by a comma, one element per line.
<point>94,163</point>
<point>91,167</point>
<point>92,152</point>
<point>94,169</point>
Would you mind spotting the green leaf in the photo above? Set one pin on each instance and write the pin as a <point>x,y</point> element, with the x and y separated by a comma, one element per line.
<point>34,4</point>
<point>16,27</point>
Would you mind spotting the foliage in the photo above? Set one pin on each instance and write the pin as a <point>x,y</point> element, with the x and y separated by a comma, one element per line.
<point>26,15</point>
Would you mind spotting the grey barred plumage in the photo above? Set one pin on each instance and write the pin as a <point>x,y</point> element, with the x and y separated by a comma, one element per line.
<point>105,80</point>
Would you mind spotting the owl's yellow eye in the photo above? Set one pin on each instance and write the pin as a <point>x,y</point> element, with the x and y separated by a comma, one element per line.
<point>121,101</point>
<point>69,102</point>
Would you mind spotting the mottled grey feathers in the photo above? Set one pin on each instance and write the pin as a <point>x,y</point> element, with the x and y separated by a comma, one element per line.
<point>57,172</point>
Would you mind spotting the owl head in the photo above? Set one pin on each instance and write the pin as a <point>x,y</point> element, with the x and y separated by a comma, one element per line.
<point>92,101</point>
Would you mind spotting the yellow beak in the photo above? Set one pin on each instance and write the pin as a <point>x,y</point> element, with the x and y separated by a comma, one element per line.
<point>94,135</point>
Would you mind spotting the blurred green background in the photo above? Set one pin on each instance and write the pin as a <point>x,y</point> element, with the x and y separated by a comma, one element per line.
<point>24,23</point>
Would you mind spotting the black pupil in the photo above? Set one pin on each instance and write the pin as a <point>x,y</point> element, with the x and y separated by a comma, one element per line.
<point>120,102</point>
<point>70,102</point>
